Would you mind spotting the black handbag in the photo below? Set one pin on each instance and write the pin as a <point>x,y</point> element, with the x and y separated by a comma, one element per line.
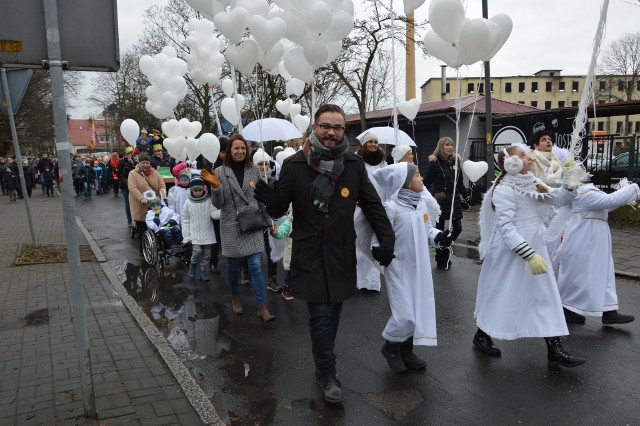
<point>249,220</point>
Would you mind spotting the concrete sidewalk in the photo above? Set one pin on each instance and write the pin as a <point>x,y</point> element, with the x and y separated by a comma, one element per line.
<point>134,379</point>
<point>625,242</point>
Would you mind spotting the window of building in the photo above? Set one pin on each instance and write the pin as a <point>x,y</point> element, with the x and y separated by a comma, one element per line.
<point>448,88</point>
<point>491,87</point>
<point>603,86</point>
<point>620,85</point>
<point>600,125</point>
<point>630,127</point>
<point>521,87</point>
<point>574,103</point>
<point>521,102</point>
<point>481,88</point>
<point>507,87</point>
<point>629,85</point>
<point>619,127</point>
<point>574,86</point>
<point>638,85</point>
<point>637,127</point>
<point>547,104</point>
<point>470,88</point>
<point>534,104</point>
<point>548,86</point>
<point>561,86</point>
<point>534,86</point>
<point>560,104</point>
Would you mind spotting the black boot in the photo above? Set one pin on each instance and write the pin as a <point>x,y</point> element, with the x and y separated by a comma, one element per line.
<point>614,317</point>
<point>411,361</point>
<point>392,352</point>
<point>483,342</point>
<point>572,317</point>
<point>442,259</point>
<point>557,357</point>
<point>330,386</point>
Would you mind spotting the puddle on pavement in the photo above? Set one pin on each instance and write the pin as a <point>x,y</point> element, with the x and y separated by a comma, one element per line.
<point>233,376</point>
<point>466,248</point>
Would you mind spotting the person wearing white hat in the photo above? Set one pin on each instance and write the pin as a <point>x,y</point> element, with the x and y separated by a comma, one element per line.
<point>402,153</point>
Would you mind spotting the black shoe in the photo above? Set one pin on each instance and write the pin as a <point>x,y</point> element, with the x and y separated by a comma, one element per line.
<point>613,317</point>
<point>272,285</point>
<point>330,387</point>
<point>483,342</point>
<point>214,269</point>
<point>557,357</point>
<point>572,317</point>
<point>411,361</point>
<point>391,351</point>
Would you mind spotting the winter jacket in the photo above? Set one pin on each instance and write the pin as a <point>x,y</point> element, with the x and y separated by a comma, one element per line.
<point>10,180</point>
<point>86,173</point>
<point>323,260</point>
<point>440,174</point>
<point>236,243</point>
<point>164,216</point>
<point>114,164</point>
<point>138,183</point>
<point>124,168</point>
<point>44,163</point>
<point>47,178</point>
<point>196,222</point>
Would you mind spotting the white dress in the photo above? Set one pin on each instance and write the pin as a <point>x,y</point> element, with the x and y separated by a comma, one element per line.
<point>586,278</point>
<point>367,272</point>
<point>177,197</point>
<point>511,302</point>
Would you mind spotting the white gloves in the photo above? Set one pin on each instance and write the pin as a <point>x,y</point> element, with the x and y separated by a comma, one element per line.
<point>537,265</point>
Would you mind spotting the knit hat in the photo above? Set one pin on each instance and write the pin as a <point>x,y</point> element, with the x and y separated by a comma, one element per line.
<point>144,131</point>
<point>196,183</point>
<point>157,147</point>
<point>260,157</point>
<point>184,174</point>
<point>369,136</point>
<point>128,150</point>
<point>399,152</point>
<point>411,172</point>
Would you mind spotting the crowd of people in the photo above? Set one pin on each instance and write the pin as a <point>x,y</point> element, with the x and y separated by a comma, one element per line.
<point>339,221</point>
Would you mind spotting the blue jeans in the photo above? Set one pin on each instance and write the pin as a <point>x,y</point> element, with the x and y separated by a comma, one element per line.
<point>125,195</point>
<point>87,188</point>
<point>255,269</point>
<point>172,236</point>
<point>323,325</point>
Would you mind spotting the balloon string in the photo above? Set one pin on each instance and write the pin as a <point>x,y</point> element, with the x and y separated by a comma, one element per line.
<point>413,133</point>
<point>455,152</point>
<point>393,74</point>
<point>473,111</point>
<point>235,97</point>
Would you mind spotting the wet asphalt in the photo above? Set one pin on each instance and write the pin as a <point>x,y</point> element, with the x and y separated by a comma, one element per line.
<point>264,373</point>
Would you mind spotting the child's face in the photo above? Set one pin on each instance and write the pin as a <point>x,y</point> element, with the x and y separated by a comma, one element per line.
<point>184,182</point>
<point>263,166</point>
<point>526,161</point>
<point>197,192</point>
<point>156,206</point>
<point>416,184</point>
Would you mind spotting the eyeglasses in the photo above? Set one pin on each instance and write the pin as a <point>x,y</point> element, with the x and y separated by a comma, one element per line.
<point>327,127</point>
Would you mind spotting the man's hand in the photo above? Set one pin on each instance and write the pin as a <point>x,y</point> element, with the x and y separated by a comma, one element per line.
<point>268,196</point>
<point>211,178</point>
<point>443,239</point>
<point>537,264</point>
<point>383,254</point>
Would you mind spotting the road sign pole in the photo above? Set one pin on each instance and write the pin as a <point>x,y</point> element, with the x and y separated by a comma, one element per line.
<point>68,204</point>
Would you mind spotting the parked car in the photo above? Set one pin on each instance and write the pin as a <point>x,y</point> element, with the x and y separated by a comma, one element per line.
<point>619,163</point>
<point>594,161</point>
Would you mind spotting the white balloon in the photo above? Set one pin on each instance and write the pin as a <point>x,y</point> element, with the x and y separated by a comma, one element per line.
<point>207,8</point>
<point>170,100</point>
<point>173,146</point>
<point>153,94</point>
<point>177,66</point>
<point>475,41</point>
<point>505,24</point>
<point>474,170</point>
<point>334,48</point>
<point>244,57</point>
<point>315,52</point>
<point>441,49</point>
<point>411,5</point>
<point>270,59</point>
<point>229,110</point>
<point>209,146</point>
<point>301,122</point>
<point>171,128</point>
<point>346,5</point>
<point>193,148</point>
<point>283,71</point>
<point>169,51</point>
<point>240,102</point>
<point>254,7</point>
<point>190,129</point>
<point>297,30</point>
<point>232,24</point>
<point>295,110</point>
<point>227,87</point>
<point>409,108</point>
<point>447,18</point>
<point>340,26</point>
<point>283,155</point>
<point>319,17</point>
<point>284,106</point>
<point>297,66</point>
<point>267,32</point>
<point>147,65</point>
<point>182,156</point>
<point>295,86</point>
<point>130,131</point>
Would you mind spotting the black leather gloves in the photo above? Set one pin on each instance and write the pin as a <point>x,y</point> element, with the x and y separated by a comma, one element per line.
<point>383,254</point>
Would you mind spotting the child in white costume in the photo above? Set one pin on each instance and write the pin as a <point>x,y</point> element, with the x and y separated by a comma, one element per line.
<point>408,277</point>
<point>517,292</point>
<point>179,193</point>
<point>586,276</point>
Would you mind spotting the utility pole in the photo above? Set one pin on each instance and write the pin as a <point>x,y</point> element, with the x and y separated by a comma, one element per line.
<point>410,56</point>
<point>488,120</point>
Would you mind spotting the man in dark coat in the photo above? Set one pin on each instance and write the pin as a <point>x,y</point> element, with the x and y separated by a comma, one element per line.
<point>44,163</point>
<point>324,182</point>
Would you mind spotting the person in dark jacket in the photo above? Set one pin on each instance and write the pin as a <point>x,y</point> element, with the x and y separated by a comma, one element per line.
<point>439,179</point>
<point>29,178</point>
<point>324,182</point>
<point>126,164</point>
<point>87,174</point>
<point>10,183</point>
<point>44,163</point>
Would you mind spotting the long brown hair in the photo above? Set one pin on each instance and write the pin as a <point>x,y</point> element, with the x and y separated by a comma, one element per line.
<point>439,151</point>
<point>363,149</point>
<point>227,154</point>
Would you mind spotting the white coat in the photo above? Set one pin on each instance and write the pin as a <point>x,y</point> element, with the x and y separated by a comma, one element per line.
<point>166,214</point>
<point>177,197</point>
<point>511,302</point>
<point>197,224</point>
<point>586,278</point>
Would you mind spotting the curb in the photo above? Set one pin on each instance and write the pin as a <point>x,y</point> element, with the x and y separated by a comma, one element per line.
<point>194,393</point>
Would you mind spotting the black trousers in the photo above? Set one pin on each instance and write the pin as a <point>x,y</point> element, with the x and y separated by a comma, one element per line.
<point>215,248</point>
<point>324,319</point>
<point>443,255</point>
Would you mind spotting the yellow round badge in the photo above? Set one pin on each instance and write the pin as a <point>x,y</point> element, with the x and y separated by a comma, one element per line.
<point>344,192</point>
<point>425,217</point>
<point>252,184</point>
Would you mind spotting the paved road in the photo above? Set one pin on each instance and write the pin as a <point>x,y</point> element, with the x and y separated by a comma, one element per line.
<point>265,373</point>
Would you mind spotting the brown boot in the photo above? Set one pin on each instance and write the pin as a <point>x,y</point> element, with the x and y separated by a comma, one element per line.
<point>263,313</point>
<point>236,304</point>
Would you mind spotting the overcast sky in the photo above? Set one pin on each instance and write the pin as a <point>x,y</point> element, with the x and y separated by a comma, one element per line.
<point>547,34</point>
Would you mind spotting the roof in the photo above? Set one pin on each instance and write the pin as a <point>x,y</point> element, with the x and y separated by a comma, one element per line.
<point>80,130</point>
<point>467,106</point>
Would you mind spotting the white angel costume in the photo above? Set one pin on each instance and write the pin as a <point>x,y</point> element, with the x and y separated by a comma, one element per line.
<point>408,277</point>
<point>511,302</point>
<point>586,278</point>
<point>366,269</point>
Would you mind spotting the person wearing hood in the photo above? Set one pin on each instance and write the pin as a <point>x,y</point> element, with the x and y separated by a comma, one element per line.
<point>197,227</point>
<point>178,194</point>
<point>374,159</point>
<point>408,277</point>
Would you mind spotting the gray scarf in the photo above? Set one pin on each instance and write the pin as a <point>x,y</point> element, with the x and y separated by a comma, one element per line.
<point>328,162</point>
<point>409,197</point>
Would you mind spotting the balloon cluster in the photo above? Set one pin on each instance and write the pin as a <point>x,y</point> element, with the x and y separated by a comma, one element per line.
<point>180,142</point>
<point>457,40</point>
<point>288,108</point>
<point>231,106</point>
<point>205,60</point>
<point>165,72</point>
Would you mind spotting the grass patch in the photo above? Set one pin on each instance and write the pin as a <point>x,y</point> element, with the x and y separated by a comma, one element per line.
<point>49,253</point>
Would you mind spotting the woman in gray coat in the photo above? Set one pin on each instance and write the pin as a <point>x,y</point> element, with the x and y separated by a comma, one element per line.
<point>233,184</point>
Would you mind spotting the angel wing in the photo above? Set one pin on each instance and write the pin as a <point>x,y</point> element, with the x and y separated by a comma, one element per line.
<point>364,234</point>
